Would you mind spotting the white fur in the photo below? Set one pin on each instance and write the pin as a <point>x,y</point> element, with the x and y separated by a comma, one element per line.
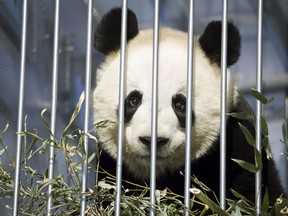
<point>172,80</point>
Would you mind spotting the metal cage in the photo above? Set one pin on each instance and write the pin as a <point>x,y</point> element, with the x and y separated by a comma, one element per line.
<point>91,11</point>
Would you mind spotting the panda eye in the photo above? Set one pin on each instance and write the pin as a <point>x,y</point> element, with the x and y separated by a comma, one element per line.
<point>180,106</point>
<point>134,101</point>
<point>179,103</point>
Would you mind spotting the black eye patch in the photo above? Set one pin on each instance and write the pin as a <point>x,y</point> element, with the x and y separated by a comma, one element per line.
<point>132,103</point>
<point>179,107</point>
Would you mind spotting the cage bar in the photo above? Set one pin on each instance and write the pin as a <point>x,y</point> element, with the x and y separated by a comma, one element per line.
<point>53,103</point>
<point>122,91</point>
<point>258,180</point>
<point>20,108</point>
<point>87,102</point>
<point>223,105</point>
<point>189,107</point>
<point>154,116</point>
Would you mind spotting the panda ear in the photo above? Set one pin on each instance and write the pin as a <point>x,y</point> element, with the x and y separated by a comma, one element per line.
<point>210,42</point>
<point>108,32</point>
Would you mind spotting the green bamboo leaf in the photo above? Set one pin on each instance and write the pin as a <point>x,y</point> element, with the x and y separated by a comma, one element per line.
<point>5,128</point>
<point>260,97</point>
<point>243,99</point>
<point>241,115</point>
<point>72,136</point>
<point>267,147</point>
<point>102,124</point>
<point>205,199</point>
<point>157,196</point>
<point>265,202</point>
<point>47,182</point>
<point>92,156</point>
<point>247,209</point>
<point>258,158</point>
<point>33,142</point>
<point>240,196</point>
<point>5,147</point>
<point>264,126</point>
<point>25,133</point>
<point>246,165</point>
<point>284,134</point>
<point>75,113</point>
<point>104,185</point>
<point>249,137</point>
<point>46,123</point>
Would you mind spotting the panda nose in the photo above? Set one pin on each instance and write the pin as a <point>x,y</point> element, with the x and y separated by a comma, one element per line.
<point>161,141</point>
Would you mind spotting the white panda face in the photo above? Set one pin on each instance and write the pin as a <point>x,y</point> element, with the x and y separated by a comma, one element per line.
<point>171,102</point>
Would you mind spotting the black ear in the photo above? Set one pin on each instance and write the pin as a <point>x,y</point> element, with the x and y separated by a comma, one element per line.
<point>210,42</point>
<point>108,32</point>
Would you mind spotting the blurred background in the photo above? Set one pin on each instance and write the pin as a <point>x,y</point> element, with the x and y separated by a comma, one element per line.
<point>73,30</point>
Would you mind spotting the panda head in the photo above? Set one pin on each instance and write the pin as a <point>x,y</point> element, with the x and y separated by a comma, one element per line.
<point>172,92</point>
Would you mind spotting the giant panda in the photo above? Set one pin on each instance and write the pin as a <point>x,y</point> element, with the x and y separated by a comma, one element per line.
<point>172,108</point>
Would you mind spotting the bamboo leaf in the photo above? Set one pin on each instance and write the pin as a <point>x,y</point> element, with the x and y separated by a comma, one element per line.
<point>267,147</point>
<point>240,196</point>
<point>243,99</point>
<point>5,128</point>
<point>75,113</point>
<point>205,199</point>
<point>5,147</point>
<point>258,159</point>
<point>284,134</point>
<point>249,137</point>
<point>157,196</point>
<point>260,97</point>
<point>35,136</point>
<point>264,126</point>
<point>46,123</point>
<point>245,206</point>
<point>104,185</point>
<point>265,202</point>
<point>246,165</point>
<point>92,156</point>
<point>47,182</point>
<point>241,115</point>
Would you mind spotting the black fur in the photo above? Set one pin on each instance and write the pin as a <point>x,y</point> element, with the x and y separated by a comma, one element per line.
<point>108,33</point>
<point>210,42</point>
<point>132,103</point>
<point>180,99</point>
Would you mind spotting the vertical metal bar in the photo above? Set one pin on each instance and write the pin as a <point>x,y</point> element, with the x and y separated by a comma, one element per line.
<point>223,105</point>
<point>259,105</point>
<point>154,116</point>
<point>189,108</point>
<point>20,108</point>
<point>122,89</point>
<point>87,102</point>
<point>53,102</point>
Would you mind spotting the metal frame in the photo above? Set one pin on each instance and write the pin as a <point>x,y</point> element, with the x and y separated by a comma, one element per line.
<point>258,180</point>
<point>53,103</point>
<point>87,101</point>
<point>190,57</point>
<point>154,108</point>
<point>223,109</point>
<point>20,107</point>
<point>122,92</point>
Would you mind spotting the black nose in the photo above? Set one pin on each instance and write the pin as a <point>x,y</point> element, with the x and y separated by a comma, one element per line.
<point>160,140</point>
